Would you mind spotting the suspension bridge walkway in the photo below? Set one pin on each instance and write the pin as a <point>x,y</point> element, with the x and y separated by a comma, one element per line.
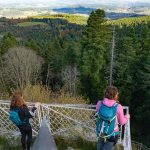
<point>65,120</point>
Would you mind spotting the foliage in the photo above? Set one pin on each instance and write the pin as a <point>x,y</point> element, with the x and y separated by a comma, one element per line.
<point>26,24</point>
<point>93,55</point>
<point>8,41</point>
<point>5,145</point>
<point>77,59</point>
<point>77,19</point>
<point>40,93</point>
<point>20,66</point>
<point>34,93</point>
<point>62,144</point>
<point>77,144</point>
<point>130,21</point>
<point>132,76</point>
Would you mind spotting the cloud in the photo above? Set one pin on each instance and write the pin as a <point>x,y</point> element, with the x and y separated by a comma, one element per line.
<point>70,1</point>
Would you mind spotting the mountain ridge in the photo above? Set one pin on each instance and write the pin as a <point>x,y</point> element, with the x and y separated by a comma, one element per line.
<point>87,11</point>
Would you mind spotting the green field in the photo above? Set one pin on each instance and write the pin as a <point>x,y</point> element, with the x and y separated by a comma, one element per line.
<point>26,24</point>
<point>77,19</point>
<point>130,21</point>
<point>82,20</point>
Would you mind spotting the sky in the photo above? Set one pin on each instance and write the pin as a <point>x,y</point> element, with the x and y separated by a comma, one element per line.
<point>65,3</point>
<point>69,1</point>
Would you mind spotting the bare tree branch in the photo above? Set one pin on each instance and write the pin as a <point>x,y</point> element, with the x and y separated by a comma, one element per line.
<point>21,66</point>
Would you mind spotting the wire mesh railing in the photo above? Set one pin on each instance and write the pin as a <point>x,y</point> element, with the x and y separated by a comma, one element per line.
<point>139,146</point>
<point>64,120</point>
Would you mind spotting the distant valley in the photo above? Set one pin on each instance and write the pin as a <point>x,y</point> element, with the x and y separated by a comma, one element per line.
<point>87,11</point>
<point>112,11</point>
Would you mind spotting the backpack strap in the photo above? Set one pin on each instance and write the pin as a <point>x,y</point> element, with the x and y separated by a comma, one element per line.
<point>108,136</point>
<point>115,104</point>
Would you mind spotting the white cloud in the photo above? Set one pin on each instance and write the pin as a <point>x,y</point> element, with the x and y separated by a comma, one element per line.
<point>69,1</point>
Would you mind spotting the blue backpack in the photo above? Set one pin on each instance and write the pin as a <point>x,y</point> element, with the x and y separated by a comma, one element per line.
<point>14,117</point>
<point>106,121</point>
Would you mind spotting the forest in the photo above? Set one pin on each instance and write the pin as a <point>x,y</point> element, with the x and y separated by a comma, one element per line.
<point>75,58</point>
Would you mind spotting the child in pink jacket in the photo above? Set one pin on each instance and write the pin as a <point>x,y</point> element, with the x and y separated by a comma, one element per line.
<point>110,98</point>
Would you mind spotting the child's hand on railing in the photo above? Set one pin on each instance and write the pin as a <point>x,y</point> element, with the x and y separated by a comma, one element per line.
<point>128,116</point>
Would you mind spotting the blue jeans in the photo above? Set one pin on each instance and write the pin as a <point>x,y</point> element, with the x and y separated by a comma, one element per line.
<point>105,145</point>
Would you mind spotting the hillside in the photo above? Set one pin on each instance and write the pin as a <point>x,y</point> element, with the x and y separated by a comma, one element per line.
<point>44,20</point>
<point>77,19</point>
<point>130,21</point>
<point>58,39</point>
<point>26,24</point>
<point>111,14</point>
<point>82,20</point>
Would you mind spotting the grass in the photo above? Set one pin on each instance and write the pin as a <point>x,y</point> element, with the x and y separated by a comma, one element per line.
<point>78,144</point>
<point>130,21</point>
<point>27,24</point>
<point>7,145</point>
<point>77,19</point>
<point>40,93</point>
<point>62,144</point>
<point>82,20</point>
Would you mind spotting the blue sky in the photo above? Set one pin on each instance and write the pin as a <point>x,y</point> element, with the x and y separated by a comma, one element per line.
<point>69,1</point>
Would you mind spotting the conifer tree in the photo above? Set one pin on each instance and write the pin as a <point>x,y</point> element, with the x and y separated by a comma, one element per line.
<point>93,55</point>
<point>8,41</point>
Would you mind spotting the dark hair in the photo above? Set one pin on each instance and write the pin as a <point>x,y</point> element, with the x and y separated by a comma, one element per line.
<point>110,92</point>
<point>17,100</point>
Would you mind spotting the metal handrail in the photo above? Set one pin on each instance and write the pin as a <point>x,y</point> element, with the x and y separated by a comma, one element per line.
<point>59,109</point>
<point>140,146</point>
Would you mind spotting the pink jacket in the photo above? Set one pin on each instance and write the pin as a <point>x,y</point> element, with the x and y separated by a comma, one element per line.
<point>121,118</point>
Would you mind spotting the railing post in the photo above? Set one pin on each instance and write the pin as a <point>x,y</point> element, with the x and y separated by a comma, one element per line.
<point>46,110</point>
<point>39,115</point>
<point>140,146</point>
<point>127,134</point>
